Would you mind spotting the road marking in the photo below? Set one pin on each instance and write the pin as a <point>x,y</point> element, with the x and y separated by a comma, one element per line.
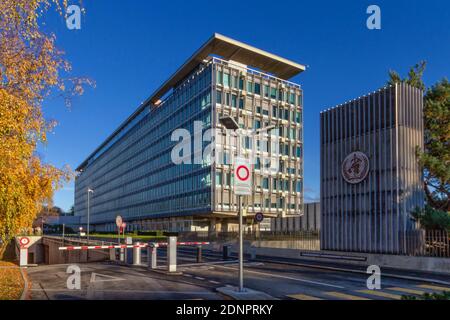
<point>95,276</point>
<point>187,275</point>
<point>429,286</point>
<point>215,282</point>
<point>286,277</point>
<point>381,294</point>
<point>301,296</point>
<point>407,290</point>
<point>199,278</point>
<point>345,296</point>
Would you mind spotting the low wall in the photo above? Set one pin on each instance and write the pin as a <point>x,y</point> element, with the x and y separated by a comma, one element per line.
<point>55,256</point>
<point>287,249</point>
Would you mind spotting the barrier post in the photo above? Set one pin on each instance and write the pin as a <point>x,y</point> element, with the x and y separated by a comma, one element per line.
<point>225,252</point>
<point>128,252</point>
<point>112,254</point>
<point>172,254</point>
<point>199,254</point>
<point>137,254</point>
<point>122,255</point>
<point>152,256</point>
<point>23,257</point>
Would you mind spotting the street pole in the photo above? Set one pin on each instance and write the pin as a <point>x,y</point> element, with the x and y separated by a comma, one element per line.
<point>88,191</point>
<point>241,248</point>
<point>63,231</point>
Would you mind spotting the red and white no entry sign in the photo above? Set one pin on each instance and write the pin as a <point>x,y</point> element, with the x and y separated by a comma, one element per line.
<point>242,177</point>
<point>242,173</point>
<point>24,241</point>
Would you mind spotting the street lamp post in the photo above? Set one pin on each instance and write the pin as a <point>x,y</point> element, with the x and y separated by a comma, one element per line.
<point>88,211</point>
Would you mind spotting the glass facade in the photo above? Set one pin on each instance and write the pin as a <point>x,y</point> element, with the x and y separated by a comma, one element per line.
<point>133,175</point>
<point>265,101</point>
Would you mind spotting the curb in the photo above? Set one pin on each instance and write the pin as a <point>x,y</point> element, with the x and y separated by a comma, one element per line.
<point>24,295</point>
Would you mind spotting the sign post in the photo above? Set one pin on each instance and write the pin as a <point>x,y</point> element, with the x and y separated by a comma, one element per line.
<point>119,225</point>
<point>242,187</point>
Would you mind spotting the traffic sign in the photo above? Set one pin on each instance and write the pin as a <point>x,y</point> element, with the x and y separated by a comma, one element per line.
<point>259,217</point>
<point>24,241</point>
<point>242,177</point>
<point>119,221</point>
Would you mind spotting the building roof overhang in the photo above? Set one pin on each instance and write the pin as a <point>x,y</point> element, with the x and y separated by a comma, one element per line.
<point>230,49</point>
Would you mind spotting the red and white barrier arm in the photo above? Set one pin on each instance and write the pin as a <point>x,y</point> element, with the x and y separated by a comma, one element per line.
<point>122,246</point>
<point>126,246</point>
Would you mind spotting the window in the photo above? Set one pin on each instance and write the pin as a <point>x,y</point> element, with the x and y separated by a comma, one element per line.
<point>226,79</point>
<point>274,111</point>
<point>273,93</point>
<point>265,183</point>
<point>257,124</point>
<point>298,151</point>
<point>257,163</point>
<point>219,97</point>
<point>218,178</point>
<point>266,91</point>
<point>250,86</point>
<point>292,98</point>
<point>257,88</point>
<point>241,83</point>
<point>258,110</point>
<point>233,100</point>
<point>241,103</point>
<point>298,117</point>
<point>234,81</point>
<point>298,187</point>
<point>219,77</point>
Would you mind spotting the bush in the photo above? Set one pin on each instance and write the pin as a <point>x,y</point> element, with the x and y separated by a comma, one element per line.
<point>430,296</point>
<point>432,219</point>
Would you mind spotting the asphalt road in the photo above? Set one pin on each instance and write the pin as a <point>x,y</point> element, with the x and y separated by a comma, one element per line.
<point>199,281</point>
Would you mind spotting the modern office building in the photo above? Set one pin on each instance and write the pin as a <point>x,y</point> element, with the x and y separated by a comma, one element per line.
<point>370,177</point>
<point>132,173</point>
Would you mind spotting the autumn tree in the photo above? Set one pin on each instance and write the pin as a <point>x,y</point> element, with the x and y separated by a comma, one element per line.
<point>435,157</point>
<point>31,68</point>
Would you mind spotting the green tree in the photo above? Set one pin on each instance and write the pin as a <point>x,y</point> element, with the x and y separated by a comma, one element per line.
<point>432,219</point>
<point>435,157</point>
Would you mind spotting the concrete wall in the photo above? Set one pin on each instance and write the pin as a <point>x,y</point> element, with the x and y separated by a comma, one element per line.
<point>283,249</point>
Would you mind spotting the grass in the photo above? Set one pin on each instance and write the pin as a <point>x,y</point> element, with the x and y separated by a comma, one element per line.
<point>11,282</point>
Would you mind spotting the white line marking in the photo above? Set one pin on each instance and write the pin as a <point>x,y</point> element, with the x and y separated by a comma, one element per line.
<point>286,277</point>
<point>215,282</point>
<point>199,278</point>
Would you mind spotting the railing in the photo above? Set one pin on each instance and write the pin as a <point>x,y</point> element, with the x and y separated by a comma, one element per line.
<point>437,243</point>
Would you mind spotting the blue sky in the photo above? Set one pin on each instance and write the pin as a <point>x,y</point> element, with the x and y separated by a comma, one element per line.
<point>130,47</point>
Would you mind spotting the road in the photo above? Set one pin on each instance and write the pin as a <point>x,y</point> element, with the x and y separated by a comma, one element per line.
<point>199,281</point>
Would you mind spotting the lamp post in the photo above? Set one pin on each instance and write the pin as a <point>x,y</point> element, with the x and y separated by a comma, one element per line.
<point>89,190</point>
